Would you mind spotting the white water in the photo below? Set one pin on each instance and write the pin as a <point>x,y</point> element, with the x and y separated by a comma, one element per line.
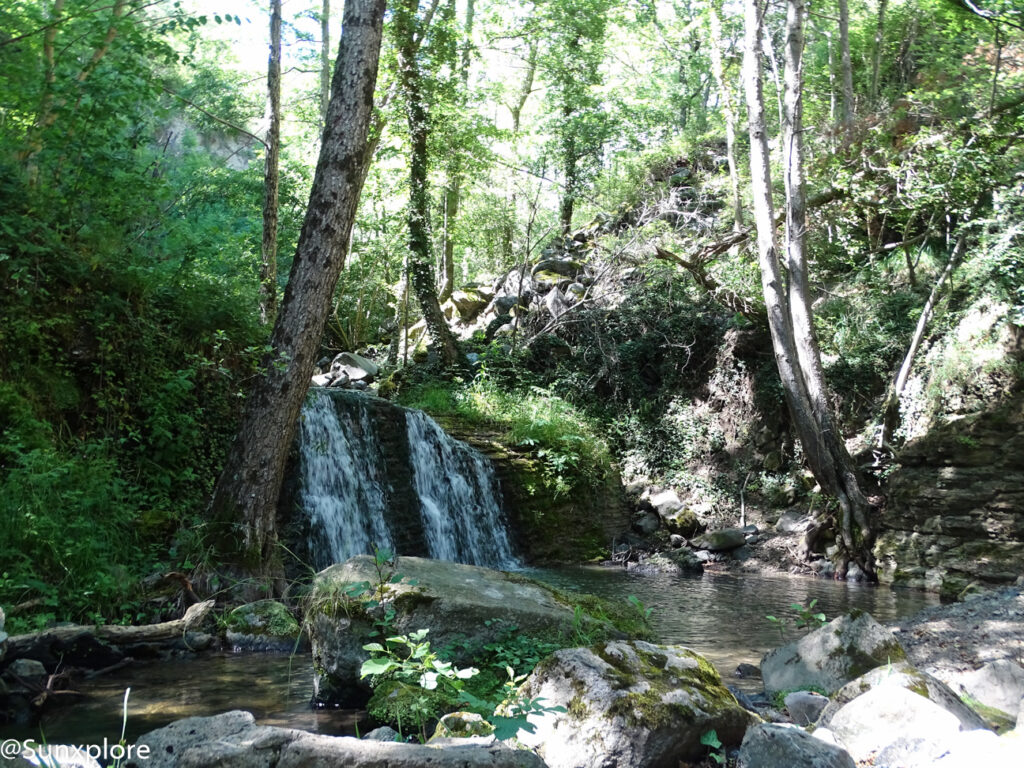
<point>459,497</point>
<point>343,481</point>
<point>351,500</point>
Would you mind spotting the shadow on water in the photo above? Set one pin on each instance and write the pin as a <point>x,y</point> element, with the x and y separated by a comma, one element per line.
<point>720,615</point>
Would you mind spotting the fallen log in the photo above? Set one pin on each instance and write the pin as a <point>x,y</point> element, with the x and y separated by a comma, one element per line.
<point>19,645</point>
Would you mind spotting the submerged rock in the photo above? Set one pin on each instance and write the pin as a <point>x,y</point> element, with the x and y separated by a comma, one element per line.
<point>233,739</point>
<point>629,704</point>
<point>829,657</point>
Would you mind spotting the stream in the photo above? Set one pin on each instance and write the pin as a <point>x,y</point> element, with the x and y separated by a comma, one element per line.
<point>721,615</point>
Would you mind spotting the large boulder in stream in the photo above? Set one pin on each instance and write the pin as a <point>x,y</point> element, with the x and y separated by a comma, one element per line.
<point>829,657</point>
<point>233,740</point>
<point>462,606</point>
<point>629,704</point>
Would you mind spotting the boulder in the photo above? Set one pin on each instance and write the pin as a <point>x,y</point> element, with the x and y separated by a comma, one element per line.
<point>559,267</point>
<point>629,704</point>
<point>3,635</point>
<point>677,561</point>
<point>793,521</point>
<point>384,733</point>
<point>461,725</point>
<point>265,625</point>
<point>998,685</point>
<point>450,600</point>
<point>676,516</point>
<point>805,706</point>
<point>645,523</point>
<point>356,367</point>
<point>724,540</point>
<point>829,657</point>
<point>767,745</point>
<point>233,740</point>
<point>910,678</point>
<point>56,755</point>
<point>888,713</point>
<point>469,303</point>
<point>26,672</point>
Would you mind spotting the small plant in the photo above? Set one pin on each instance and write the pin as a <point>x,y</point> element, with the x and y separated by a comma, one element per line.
<point>715,749</point>
<point>806,618</point>
<point>511,713</point>
<point>410,658</point>
<point>643,611</point>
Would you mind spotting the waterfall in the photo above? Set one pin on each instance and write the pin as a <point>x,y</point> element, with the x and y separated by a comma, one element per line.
<point>459,497</point>
<point>375,473</point>
<point>343,481</point>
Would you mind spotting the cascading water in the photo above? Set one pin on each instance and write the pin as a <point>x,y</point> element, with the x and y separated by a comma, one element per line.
<point>459,497</point>
<point>374,473</point>
<point>343,481</point>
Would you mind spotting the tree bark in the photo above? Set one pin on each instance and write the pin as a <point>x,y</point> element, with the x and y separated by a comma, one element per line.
<point>728,113</point>
<point>788,304</point>
<point>421,264</point>
<point>245,499</point>
<point>268,264</point>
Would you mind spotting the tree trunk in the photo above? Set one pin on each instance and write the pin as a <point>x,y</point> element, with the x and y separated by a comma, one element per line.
<point>788,306</point>
<point>891,409</point>
<point>245,499</point>
<point>876,54</point>
<point>845,64</point>
<point>268,264</point>
<point>453,192</point>
<point>421,264</point>
<point>325,61</point>
<point>525,86</point>
<point>725,91</point>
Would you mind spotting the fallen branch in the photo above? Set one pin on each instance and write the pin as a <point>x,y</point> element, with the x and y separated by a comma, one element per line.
<point>115,634</point>
<point>727,297</point>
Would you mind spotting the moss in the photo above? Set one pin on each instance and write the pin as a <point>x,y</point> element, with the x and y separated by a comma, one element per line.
<point>577,709</point>
<point>1000,721</point>
<point>265,618</point>
<point>404,706</point>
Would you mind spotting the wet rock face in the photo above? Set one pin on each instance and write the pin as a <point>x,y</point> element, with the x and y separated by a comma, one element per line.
<point>955,511</point>
<point>629,703</point>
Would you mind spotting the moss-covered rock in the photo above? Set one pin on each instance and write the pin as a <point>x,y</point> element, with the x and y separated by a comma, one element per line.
<point>265,625</point>
<point>407,706</point>
<point>462,725</point>
<point>454,603</point>
<point>629,703</point>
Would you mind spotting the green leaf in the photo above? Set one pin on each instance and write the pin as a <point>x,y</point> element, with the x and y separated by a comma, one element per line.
<point>375,647</point>
<point>710,739</point>
<point>376,667</point>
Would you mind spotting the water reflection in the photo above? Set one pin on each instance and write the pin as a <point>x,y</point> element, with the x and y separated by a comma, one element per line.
<point>276,688</point>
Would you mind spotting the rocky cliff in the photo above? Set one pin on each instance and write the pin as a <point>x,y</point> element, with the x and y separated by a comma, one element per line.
<point>956,504</point>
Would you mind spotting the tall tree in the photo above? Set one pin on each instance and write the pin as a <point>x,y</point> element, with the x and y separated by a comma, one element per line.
<point>572,64</point>
<point>786,295</point>
<point>268,264</point>
<point>876,51</point>
<point>728,112</point>
<point>407,33</point>
<point>325,61</point>
<point>245,498</point>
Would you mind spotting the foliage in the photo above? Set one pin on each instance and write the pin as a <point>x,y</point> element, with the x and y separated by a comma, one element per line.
<point>566,444</point>
<point>805,618</point>
<point>716,751</point>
